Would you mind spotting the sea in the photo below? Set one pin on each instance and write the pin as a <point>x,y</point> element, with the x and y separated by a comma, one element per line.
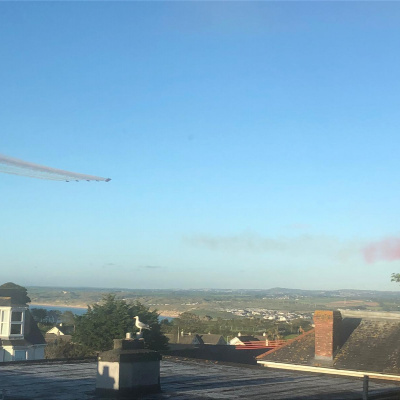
<point>80,311</point>
<point>75,310</point>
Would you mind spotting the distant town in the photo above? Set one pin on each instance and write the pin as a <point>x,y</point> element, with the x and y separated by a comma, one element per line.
<point>274,304</point>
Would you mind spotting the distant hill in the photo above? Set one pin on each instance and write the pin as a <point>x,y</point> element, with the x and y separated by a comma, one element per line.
<point>349,293</point>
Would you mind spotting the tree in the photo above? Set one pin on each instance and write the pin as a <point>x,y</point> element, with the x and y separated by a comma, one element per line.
<point>395,278</point>
<point>189,322</point>
<point>112,319</point>
<point>153,338</point>
<point>65,349</point>
<point>39,314</point>
<point>53,316</point>
<point>68,318</point>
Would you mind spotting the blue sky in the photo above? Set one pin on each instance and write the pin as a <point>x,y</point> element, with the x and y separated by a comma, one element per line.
<point>250,145</point>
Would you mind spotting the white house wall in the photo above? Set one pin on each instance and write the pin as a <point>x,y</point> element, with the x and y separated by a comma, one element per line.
<point>8,353</point>
<point>4,321</point>
<point>36,353</point>
<point>55,330</point>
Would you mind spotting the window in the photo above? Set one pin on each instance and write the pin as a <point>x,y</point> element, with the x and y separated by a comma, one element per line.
<point>17,323</point>
<point>16,316</point>
<point>16,329</point>
<point>3,322</point>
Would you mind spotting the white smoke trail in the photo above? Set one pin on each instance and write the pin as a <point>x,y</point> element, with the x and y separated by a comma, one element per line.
<point>14,166</point>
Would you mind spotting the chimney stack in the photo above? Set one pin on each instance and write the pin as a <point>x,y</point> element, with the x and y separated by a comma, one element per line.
<point>327,334</point>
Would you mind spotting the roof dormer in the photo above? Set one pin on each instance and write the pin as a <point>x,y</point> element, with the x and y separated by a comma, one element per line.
<point>12,322</point>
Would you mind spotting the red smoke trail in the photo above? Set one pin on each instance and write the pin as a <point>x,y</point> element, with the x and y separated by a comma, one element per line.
<point>383,250</point>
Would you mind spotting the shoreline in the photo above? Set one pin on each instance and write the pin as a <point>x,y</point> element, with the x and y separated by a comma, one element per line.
<point>172,314</point>
<point>57,305</point>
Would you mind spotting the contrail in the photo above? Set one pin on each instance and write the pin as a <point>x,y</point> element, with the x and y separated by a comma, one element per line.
<point>14,166</point>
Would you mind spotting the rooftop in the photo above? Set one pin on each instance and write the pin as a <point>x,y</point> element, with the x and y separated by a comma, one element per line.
<point>184,379</point>
<point>367,344</point>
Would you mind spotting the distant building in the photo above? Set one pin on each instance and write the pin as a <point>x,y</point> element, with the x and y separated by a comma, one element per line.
<point>241,340</point>
<point>184,339</point>
<point>20,337</point>
<point>61,331</point>
<point>214,339</point>
<point>196,339</point>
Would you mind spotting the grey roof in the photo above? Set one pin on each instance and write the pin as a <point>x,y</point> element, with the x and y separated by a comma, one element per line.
<point>297,351</point>
<point>247,338</point>
<point>185,339</point>
<point>201,338</point>
<point>32,332</point>
<point>261,337</point>
<point>53,338</point>
<point>210,338</point>
<point>373,346</point>
<point>5,301</point>
<point>366,345</point>
<point>185,380</point>
<point>15,292</point>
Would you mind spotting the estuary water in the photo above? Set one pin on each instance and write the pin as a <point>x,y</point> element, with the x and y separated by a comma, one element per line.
<point>79,310</point>
<point>75,310</point>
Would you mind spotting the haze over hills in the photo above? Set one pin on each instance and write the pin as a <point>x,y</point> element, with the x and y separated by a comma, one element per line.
<point>338,292</point>
<point>222,302</point>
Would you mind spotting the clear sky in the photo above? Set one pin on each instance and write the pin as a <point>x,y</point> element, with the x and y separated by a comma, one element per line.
<point>250,145</point>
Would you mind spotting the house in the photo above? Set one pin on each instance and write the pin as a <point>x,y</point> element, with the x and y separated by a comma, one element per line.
<point>196,339</point>
<point>241,340</point>
<point>262,338</point>
<point>20,337</point>
<point>61,331</point>
<point>185,339</point>
<point>213,339</point>
<point>361,343</point>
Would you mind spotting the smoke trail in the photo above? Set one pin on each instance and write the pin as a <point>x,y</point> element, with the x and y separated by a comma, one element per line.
<point>387,249</point>
<point>14,166</point>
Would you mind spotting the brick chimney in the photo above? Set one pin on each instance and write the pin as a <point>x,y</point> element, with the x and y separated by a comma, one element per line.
<point>327,334</point>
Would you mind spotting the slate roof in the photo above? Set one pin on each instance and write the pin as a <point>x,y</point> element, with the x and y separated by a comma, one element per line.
<point>210,338</point>
<point>5,301</point>
<point>53,338</point>
<point>16,293</point>
<point>296,351</point>
<point>366,345</point>
<point>261,337</point>
<point>185,339</point>
<point>373,346</point>
<point>32,332</point>
<point>247,338</point>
